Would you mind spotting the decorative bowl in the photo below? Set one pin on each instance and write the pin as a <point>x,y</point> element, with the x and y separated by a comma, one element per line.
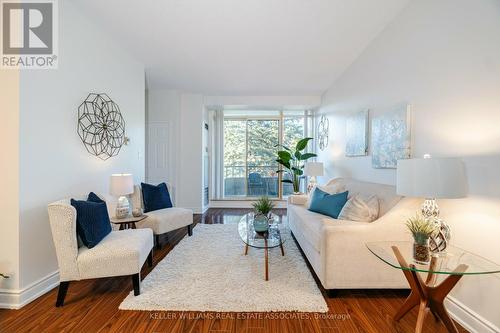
<point>137,212</point>
<point>261,223</point>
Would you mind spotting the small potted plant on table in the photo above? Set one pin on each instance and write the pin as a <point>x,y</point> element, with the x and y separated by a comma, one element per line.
<point>263,207</point>
<point>421,229</point>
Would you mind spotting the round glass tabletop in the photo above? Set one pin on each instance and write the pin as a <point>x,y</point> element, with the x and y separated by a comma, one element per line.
<point>270,239</point>
<point>443,263</point>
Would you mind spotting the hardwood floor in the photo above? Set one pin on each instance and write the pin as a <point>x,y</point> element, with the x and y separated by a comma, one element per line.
<point>92,306</point>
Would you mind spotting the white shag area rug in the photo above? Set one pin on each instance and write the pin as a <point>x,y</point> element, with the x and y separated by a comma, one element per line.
<point>209,272</point>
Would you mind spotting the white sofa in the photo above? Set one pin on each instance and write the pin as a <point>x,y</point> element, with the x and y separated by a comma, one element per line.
<point>119,253</point>
<point>336,249</point>
<point>164,220</point>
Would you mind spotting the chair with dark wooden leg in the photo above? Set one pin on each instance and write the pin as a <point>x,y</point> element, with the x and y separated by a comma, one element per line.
<point>120,253</point>
<point>136,282</point>
<point>61,294</point>
<point>162,221</point>
<point>150,259</point>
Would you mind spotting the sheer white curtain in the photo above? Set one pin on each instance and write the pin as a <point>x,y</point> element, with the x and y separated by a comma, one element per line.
<point>216,117</point>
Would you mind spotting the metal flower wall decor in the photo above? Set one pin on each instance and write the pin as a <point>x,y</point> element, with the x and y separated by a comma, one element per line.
<point>101,126</point>
<point>323,128</point>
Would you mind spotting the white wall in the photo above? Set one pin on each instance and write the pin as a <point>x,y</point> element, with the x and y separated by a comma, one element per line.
<point>164,107</point>
<point>190,163</point>
<point>183,114</point>
<point>443,57</point>
<point>9,182</point>
<point>53,161</point>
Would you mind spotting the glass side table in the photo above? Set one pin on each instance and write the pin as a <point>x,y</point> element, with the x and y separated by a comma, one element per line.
<point>443,273</point>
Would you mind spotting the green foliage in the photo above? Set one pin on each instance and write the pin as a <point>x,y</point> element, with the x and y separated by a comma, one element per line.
<point>255,142</point>
<point>292,162</point>
<point>263,137</point>
<point>421,228</point>
<point>4,276</point>
<point>263,205</point>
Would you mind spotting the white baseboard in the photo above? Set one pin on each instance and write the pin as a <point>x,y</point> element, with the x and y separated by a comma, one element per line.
<point>469,319</point>
<point>17,298</point>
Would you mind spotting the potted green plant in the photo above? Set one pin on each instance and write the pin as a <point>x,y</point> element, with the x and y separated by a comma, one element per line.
<point>4,276</point>
<point>262,207</point>
<point>421,229</point>
<point>293,162</point>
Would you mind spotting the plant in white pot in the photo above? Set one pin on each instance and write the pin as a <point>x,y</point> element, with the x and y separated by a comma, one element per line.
<point>293,162</point>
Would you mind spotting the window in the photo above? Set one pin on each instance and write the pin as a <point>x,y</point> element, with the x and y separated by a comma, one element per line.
<point>250,145</point>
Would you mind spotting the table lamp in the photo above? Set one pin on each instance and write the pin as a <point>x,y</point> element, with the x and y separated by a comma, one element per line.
<point>120,186</point>
<point>431,179</point>
<point>313,169</point>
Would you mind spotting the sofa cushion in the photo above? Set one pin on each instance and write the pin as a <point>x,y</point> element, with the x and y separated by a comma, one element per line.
<point>360,208</point>
<point>328,204</point>
<point>330,189</point>
<point>155,197</point>
<point>119,253</point>
<point>167,219</point>
<point>92,221</point>
<point>386,194</point>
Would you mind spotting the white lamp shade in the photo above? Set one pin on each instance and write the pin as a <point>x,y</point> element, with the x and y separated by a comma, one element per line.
<point>121,184</point>
<point>313,169</point>
<point>431,178</point>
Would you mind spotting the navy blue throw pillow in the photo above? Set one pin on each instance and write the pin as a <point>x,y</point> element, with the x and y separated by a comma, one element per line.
<point>92,221</point>
<point>327,204</point>
<point>94,198</point>
<point>155,197</point>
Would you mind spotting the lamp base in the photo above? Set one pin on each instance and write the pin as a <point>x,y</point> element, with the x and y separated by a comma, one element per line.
<point>312,183</point>
<point>439,240</point>
<point>122,208</point>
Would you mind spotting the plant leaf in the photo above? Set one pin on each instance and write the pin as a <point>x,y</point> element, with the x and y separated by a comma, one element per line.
<point>302,144</point>
<point>307,156</point>
<point>285,164</point>
<point>298,155</point>
<point>284,155</point>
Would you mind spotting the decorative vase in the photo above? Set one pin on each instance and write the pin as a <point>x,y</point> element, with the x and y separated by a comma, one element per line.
<point>260,223</point>
<point>137,212</point>
<point>422,252</point>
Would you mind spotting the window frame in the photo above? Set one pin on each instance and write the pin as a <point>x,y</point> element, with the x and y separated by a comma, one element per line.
<point>280,116</point>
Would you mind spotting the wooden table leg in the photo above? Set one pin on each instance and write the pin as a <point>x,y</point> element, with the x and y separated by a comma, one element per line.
<point>122,226</point>
<point>428,297</point>
<point>267,260</point>
<point>133,225</point>
<point>282,250</point>
<point>246,249</point>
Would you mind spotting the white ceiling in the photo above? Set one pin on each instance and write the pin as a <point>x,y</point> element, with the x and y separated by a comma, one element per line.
<point>242,47</point>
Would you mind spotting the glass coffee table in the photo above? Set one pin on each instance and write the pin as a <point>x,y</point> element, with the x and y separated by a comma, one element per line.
<point>443,272</point>
<point>270,239</point>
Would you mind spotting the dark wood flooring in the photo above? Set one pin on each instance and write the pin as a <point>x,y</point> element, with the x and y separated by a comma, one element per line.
<point>92,306</point>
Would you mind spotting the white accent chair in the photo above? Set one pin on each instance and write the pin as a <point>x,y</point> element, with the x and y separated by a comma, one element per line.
<point>120,253</point>
<point>336,248</point>
<point>164,220</point>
